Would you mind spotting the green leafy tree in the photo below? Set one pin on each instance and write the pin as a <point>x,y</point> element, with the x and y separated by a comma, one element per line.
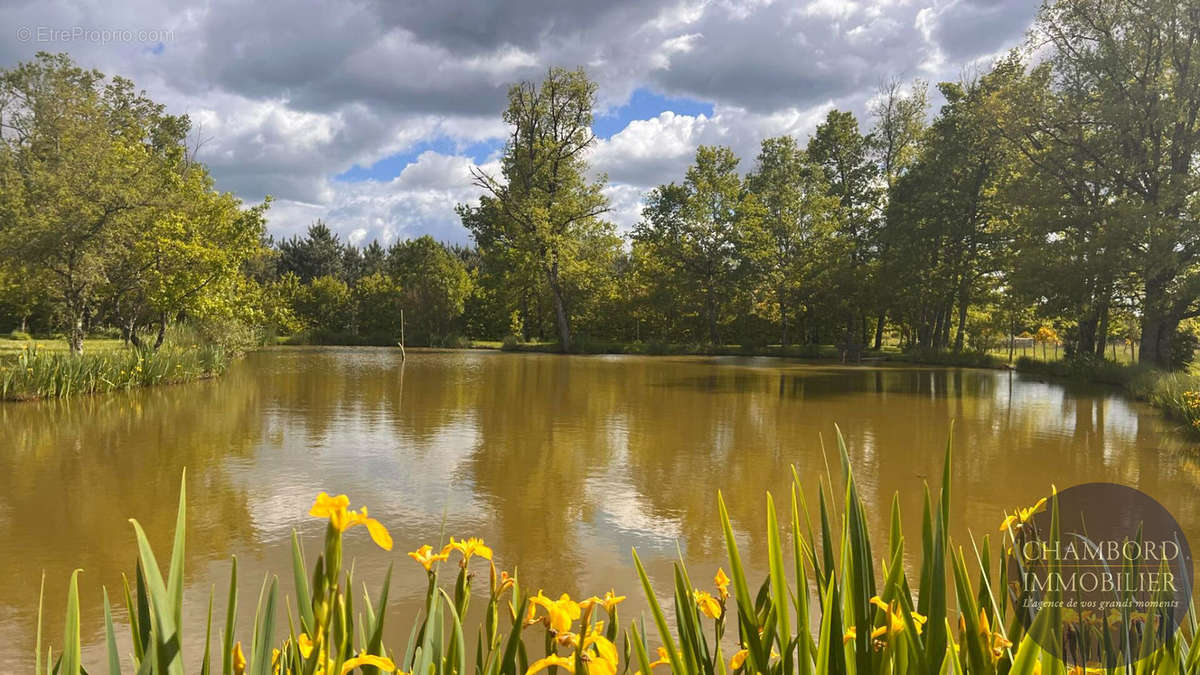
<point>81,158</point>
<point>379,303</point>
<point>845,155</point>
<point>435,286</point>
<point>325,304</point>
<point>544,197</point>
<point>698,228</point>
<point>792,240</point>
<point>1114,113</point>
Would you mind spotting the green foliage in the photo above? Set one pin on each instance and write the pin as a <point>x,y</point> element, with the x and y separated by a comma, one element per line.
<point>543,208</point>
<point>435,285</point>
<point>101,206</point>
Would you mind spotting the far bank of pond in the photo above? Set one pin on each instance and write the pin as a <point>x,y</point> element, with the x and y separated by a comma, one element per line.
<point>561,463</point>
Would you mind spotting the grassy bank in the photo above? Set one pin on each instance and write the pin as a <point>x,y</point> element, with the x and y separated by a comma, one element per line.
<point>831,602</point>
<point>31,370</point>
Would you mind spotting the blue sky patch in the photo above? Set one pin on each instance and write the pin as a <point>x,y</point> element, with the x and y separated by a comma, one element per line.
<point>645,104</point>
<point>391,166</point>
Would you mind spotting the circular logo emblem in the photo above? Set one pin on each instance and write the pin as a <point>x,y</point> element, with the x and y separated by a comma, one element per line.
<point>1102,580</point>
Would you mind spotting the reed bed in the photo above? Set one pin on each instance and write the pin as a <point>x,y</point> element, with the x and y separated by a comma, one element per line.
<point>832,602</point>
<point>36,372</point>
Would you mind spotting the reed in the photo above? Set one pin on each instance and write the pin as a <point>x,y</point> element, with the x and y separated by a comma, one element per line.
<point>38,373</point>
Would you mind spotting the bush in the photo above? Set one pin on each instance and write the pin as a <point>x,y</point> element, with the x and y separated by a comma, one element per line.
<point>511,343</point>
<point>18,335</point>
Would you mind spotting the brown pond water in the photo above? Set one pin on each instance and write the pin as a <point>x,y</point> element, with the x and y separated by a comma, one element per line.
<point>562,464</point>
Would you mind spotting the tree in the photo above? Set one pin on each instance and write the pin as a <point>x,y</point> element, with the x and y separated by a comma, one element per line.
<point>379,304</point>
<point>1125,82</point>
<point>318,254</point>
<point>698,229</point>
<point>845,155</point>
<point>81,157</point>
<point>435,287</point>
<point>793,235</point>
<point>895,145</point>
<point>544,197</point>
<point>324,304</point>
<point>186,258</point>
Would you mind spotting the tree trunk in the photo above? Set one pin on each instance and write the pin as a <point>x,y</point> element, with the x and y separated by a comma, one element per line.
<point>75,314</point>
<point>1155,345</point>
<point>783,320</point>
<point>560,310</point>
<point>710,310</point>
<point>1102,332</point>
<point>162,331</point>
<point>878,344</point>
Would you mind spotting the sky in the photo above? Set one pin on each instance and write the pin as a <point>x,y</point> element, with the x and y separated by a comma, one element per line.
<point>370,114</point>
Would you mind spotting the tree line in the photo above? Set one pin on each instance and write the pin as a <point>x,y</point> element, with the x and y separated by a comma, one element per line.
<point>1056,190</point>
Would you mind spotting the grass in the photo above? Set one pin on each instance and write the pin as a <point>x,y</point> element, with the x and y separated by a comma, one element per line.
<point>10,346</point>
<point>35,370</point>
<point>831,602</point>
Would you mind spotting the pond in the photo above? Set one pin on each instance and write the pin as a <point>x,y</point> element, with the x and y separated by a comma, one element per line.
<point>562,464</point>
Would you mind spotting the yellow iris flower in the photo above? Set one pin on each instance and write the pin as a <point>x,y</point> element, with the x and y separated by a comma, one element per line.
<point>552,660</point>
<point>342,518</point>
<point>609,602</point>
<point>1022,516</point>
<point>739,658</point>
<point>722,583</point>
<point>707,604</point>
<point>895,619</point>
<point>381,662</point>
<point>599,654</point>
<point>305,644</point>
<point>427,557</point>
<point>468,547</point>
<point>560,614</point>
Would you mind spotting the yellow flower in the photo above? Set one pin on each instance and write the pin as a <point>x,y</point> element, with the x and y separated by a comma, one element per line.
<point>239,659</point>
<point>707,604</point>
<point>305,644</point>
<point>738,659</point>
<point>427,557</point>
<point>342,519</point>
<point>895,619</point>
<point>560,614</point>
<point>722,583</point>
<point>1022,516</point>
<point>329,507</point>
<point>468,547</point>
<point>664,658</point>
<point>599,653</point>
<point>381,662</point>
<point>551,660</point>
<point>609,602</point>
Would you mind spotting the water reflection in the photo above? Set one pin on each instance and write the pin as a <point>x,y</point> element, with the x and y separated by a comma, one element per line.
<point>561,463</point>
